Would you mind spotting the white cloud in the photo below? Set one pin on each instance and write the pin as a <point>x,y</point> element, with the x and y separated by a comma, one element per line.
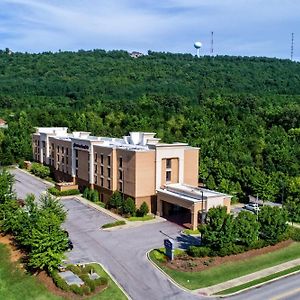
<point>241,27</point>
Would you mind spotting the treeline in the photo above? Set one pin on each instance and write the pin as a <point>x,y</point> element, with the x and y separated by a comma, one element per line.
<point>243,113</point>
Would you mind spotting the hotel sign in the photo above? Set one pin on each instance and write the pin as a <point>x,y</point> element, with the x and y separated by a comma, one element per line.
<point>169,245</point>
<point>83,147</point>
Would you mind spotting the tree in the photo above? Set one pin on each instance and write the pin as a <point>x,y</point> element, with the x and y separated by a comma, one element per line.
<point>292,205</point>
<point>143,210</point>
<point>95,196</point>
<point>273,223</point>
<point>218,232</point>
<point>129,207</point>
<point>247,228</point>
<point>6,186</point>
<point>52,204</point>
<point>116,200</point>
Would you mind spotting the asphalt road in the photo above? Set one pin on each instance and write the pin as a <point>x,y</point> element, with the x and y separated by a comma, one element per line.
<point>284,289</point>
<point>26,184</point>
<point>123,252</point>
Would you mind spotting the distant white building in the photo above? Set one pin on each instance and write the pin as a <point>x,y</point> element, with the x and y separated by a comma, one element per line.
<point>3,124</point>
<point>136,54</point>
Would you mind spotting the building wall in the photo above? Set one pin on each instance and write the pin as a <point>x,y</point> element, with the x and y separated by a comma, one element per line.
<point>60,157</point>
<point>191,164</point>
<point>83,165</point>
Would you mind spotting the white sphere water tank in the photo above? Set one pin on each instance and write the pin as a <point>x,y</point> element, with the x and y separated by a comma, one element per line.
<point>197,45</point>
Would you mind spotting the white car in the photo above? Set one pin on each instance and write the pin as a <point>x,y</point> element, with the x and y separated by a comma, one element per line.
<point>254,207</point>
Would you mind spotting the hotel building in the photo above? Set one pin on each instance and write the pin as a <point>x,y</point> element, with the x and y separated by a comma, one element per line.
<point>165,176</point>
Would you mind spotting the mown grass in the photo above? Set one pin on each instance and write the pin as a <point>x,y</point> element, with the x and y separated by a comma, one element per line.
<point>258,281</point>
<point>144,218</point>
<point>112,292</point>
<point>230,270</point>
<point>191,232</point>
<point>114,224</point>
<point>17,285</point>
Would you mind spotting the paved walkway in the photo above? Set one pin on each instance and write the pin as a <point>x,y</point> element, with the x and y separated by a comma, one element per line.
<point>247,278</point>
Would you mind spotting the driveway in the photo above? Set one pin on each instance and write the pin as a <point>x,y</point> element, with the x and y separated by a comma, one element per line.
<point>122,251</point>
<point>26,184</point>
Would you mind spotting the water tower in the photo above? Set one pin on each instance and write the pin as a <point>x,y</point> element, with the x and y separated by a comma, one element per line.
<point>198,46</point>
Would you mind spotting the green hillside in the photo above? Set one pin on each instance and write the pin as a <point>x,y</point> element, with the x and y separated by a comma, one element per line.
<point>243,112</point>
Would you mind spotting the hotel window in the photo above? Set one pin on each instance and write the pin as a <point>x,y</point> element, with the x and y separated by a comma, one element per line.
<point>67,160</point>
<point>96,156</point>
<point>57,157</point>
<point>169,163</point>
<point>168,176</point>
<point>108,172</point>
<point>57,148</point>
<point>67,151</point>
<point>76,153</point>
<point>108,184</point>
<point>120,174</point>
<point>120,186</point>
<point>108,160</point>
<point>101,158</point>
<point>63,160</point>
<point>102,197</point>
<point>96,168</point>
<point>102,181</point>
<point>96,179</point>
<point>44,144</point>
<point>76,163</point>
<point>120,162</point>
<point>101,171</point>
<point>62,150</point>
<point>76,173</point>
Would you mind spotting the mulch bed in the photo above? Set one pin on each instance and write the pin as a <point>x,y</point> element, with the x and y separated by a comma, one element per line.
<point>17,255</point>
<point>186,263</point>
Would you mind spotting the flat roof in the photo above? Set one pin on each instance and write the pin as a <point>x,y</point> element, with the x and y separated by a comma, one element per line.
<point>190,193</point>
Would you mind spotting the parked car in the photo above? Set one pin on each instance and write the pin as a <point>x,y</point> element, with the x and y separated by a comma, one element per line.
<point>254,207</point>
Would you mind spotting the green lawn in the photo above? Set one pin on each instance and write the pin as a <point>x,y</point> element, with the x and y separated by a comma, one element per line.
<point>144,218</point>
<point>258,281</point>
<point>112,292</point>
<point>228,271</point>
<point>17,285</point>
<point>191,232</point>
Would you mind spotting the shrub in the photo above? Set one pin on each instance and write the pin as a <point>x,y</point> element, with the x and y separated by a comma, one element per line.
<point>56,192</point>
<point>101,281</point>
<point>40,170</point>
<point>88,269</point>
<point>115,200</point>
<point>75,269</point>
<point>94,196</point>
<point>76,289</point>
<point>294,234</point>
<point>143,210</point>
<point>117,223</point>
<point>86,193</point>
<point>198,251</point>
<point>59,282</point>
<point>129,207</point>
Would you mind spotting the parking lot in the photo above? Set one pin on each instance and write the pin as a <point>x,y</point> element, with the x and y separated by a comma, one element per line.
<point>121,251</point>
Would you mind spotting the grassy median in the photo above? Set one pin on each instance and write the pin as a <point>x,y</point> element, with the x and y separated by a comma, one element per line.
<point>230,270</point>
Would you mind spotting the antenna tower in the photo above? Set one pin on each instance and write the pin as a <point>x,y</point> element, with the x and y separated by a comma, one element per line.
<point>212,43</point>
<point>292,47</point>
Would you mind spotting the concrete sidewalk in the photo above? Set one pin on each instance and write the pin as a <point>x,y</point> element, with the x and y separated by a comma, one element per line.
<point>247,278</point>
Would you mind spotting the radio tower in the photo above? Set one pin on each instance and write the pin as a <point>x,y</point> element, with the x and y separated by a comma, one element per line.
<point>292,47</point>
<point>212,43</point>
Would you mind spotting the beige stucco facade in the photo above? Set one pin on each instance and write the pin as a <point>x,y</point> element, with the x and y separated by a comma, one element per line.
<point>137,165</point>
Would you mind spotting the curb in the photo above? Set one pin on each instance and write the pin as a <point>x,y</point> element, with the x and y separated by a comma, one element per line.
<point>164,273</point>
<point>112,277</point>
<point>257,285</point>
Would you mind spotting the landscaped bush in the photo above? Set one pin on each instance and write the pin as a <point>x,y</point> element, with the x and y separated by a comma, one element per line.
<point>117,223</point>
<point>77,290</point>
<point>195,251</point>
<point>75,269</point>
<point>101,281</point>
<point>91,195</point>
<point>59,282</point>
<point>40,170</point>
<point>129,207</point>
<point>294,234</point>
<point>143,210</point>
<point>54,191</point>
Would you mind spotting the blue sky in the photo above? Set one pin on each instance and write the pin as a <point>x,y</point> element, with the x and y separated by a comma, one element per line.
<point>252,28</point>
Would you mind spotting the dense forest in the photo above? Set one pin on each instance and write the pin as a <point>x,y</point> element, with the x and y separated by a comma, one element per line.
<point>243,112</point>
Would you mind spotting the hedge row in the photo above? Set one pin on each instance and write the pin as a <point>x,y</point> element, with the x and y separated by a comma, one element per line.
<point>117,223</point>
<point>54,191</point>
